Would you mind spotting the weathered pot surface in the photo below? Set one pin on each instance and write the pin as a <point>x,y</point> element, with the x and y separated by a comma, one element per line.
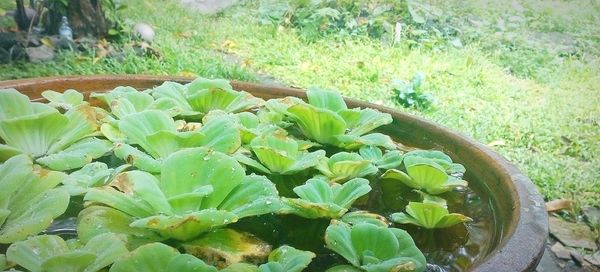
<point>522,223</point>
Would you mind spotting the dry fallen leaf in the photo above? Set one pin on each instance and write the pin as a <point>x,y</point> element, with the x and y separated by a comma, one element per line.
<point>559,204</point>
<point>497,143</point>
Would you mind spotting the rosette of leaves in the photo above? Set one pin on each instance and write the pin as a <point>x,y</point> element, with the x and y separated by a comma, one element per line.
<point>441,159</point>
<point>29,201</point>
<point>371,247</point>
<point>388,160</point>
<point>158,257</point>
<point>281,154</point>
<point>123,101</point>
<point>51,253</point>
<point>199,190</point>
<point>319,198</point>
<point>431,213</point>
<point>327,120</point>
<point>56,140</point>
<point>203,95</point>
<point>158,136</point>
<point>424,174</point>
<point>343,166</point>
<point>66,100</point>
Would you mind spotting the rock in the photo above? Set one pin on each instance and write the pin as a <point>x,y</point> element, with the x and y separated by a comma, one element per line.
<point>16,52</point>
<point>65,43</point>
<point>571,234</point>
<point>209,6</point>
<point>593,258</point>
<point>592,215</point>
<point>560,251</point>
<point>40,54</point>
<point>577,258</point>
<point>7,40</point>
<point>547,263</point>
<point>144,31</point>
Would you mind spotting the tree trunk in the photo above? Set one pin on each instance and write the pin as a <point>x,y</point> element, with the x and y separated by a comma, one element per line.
<point>86,18</point>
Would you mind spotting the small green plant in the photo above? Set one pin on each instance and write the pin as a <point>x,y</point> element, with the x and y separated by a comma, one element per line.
<point>189,167</point>
<point>409,94</point>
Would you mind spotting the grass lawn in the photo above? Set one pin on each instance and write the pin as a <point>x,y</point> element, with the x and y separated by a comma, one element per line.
<point>510,85</point>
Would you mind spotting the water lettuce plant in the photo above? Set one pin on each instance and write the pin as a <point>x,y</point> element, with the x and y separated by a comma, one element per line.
<point>343,166</point>
<point>29,199</point>
<point>202,177</point>
<point>59,141</point>
<point>320,198</point>
<point>430,215</point>
<point>426,174</point>
<point>281,154</point>
<point>199,189</point>
<point>53,254</point>
<point>327,120</point>
<point>371,247</point>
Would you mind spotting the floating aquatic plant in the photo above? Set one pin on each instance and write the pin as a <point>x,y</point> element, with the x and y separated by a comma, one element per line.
<point>29,200</point>
<point>320,198</point>
<point>56,140</point>
<point>171,179</point>
<point>199,189</point>
<point>51,253</point>
<point>371,247</point>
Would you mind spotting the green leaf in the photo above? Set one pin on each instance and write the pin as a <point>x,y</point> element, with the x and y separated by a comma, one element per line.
<point>343,268</point>
<point>205,95</point>
<point>318,124</point>
<point>154,257</point>
<point>137,158</point>
<point>163,143</point>
<point>288,259</point>
<point>7,152</point>
<point>2,262</point>
<point>221,135</point>
<point>187,226</point>
<point>362,121</point>
<point>326,99</point>
<point>391,158</point>
<point>187,170</point>
<point>344,165</point>
<point>224,247</point>
<point>358,217</point>
<point>373,247</point>
<point>32,252</point>
<point>255,195</point>
<point>188,263</point>
<point>14,104</point>
<point>91,175</point>
<point>429,215</point>
<point>107,248</point>
<point>138,126</point>
<point>77,155</point>
<point>33,134</point>
<point>281,154</point>
<point>66,100</point>
<point>111,197</point>
<point>96,220</point>
<point>82,123</point>
<point>28,202</point>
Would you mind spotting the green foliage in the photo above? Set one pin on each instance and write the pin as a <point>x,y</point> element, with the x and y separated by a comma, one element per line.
<point>424,174</point>
<point>52,253</point>
<point>430,215</point>
<point>409,94</point>
<point>344,166</point>
<point>199,189</point>
<point>319,198</point>
<point>58,141</point>
<point>29,200</point>
<point>281,154</point>
<point>157,257</point>
<point>391,158</point>
<point>374,248</point>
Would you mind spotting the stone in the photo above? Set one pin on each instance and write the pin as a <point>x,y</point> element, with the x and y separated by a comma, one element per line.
<point>593,258</point>
<point>592,215</point>
<point>547,263</point>
<point>40,54</point>
<point>208,6</point>
<point>560,251</point>
<point>577,258</point>
<point>144,31</point>
<point>571,234</point>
